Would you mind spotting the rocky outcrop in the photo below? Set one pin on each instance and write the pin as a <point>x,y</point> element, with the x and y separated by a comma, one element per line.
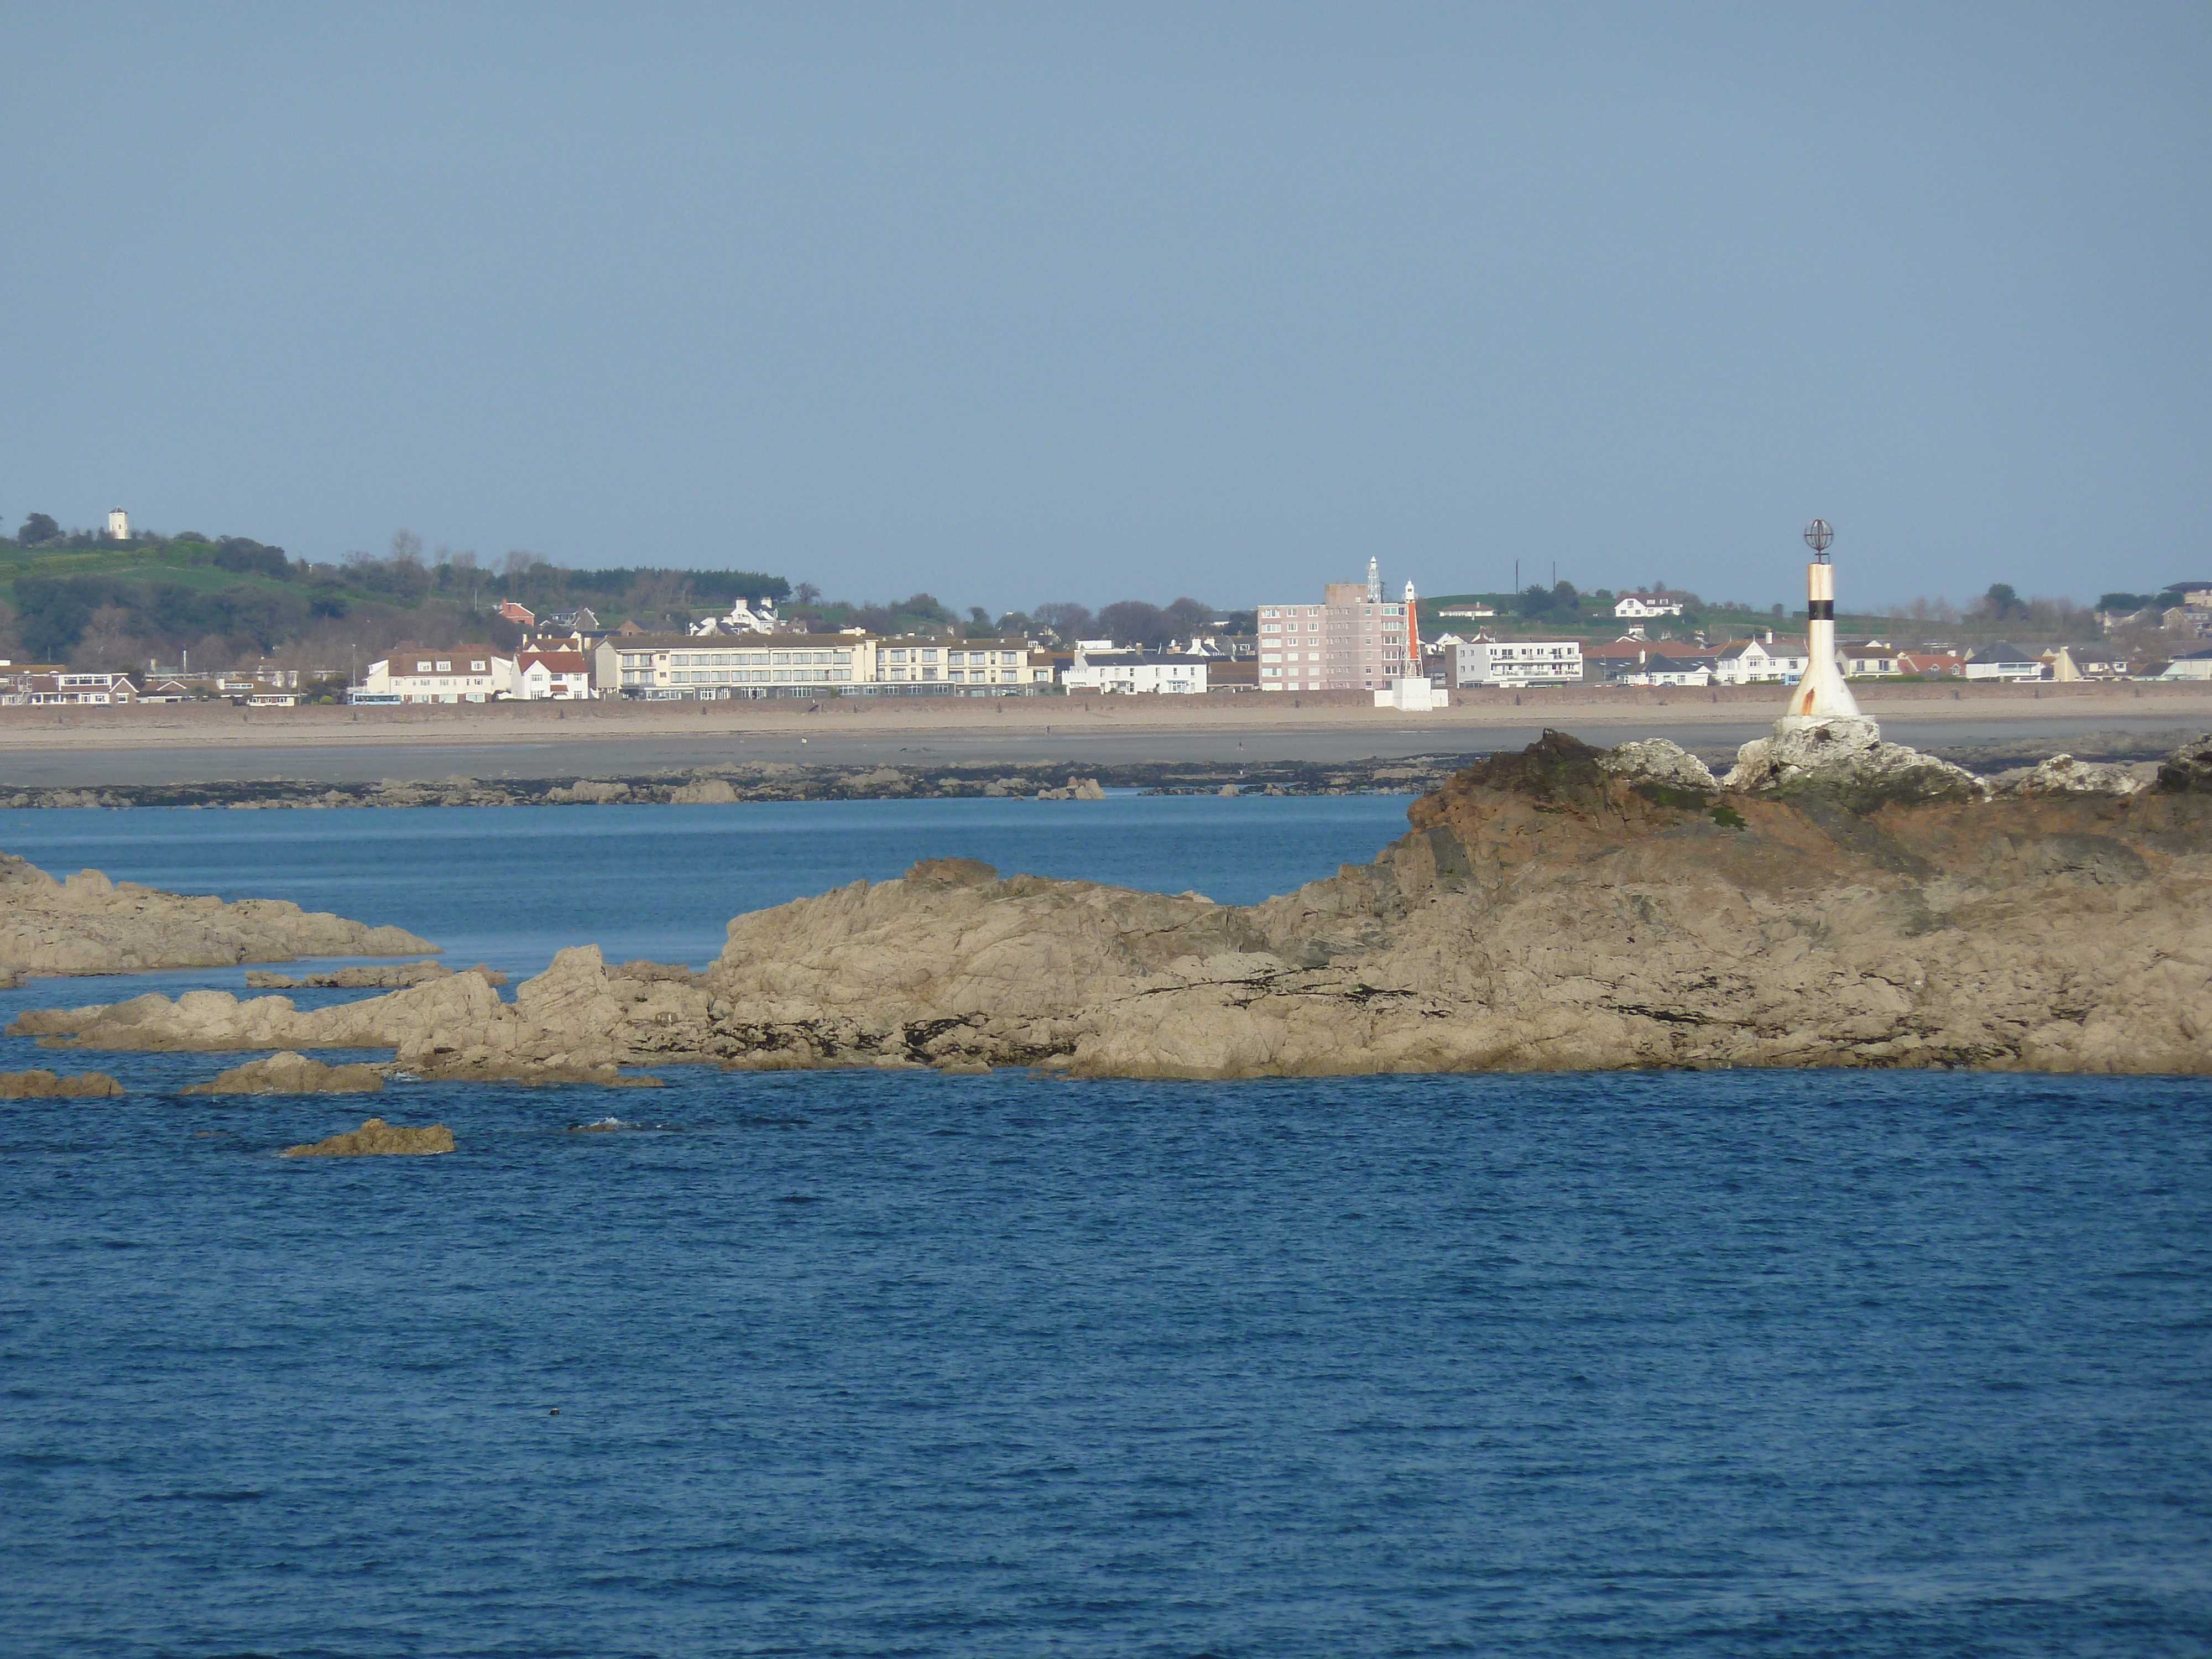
<point>2062,774</point>
<point>1076,789</point>
<point>2188,768</point>
<point>707,792</point>
<point>289,1073</point>
<point>382,977</point>
<point>1847,760</point>
<point>377,1138</point>
<point>1655,760</point>
<point>89,925</point>
<point>45,1085</point>
<point>1556,908</point>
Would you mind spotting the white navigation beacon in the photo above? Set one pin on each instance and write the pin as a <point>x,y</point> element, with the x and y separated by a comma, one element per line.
<point>1821,694</point>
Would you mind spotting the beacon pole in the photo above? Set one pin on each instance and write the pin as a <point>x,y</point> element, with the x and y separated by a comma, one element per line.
<point>1821,694</point>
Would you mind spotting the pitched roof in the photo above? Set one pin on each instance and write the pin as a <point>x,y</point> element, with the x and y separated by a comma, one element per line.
<point>557,662</point>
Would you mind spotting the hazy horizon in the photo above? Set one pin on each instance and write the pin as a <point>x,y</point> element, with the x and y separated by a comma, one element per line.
<point>1017,304</point>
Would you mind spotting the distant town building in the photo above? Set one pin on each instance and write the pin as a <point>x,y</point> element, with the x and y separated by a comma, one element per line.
<point>1472,612</point>
<point>1658,602</point>
<point>1761,661</point>
<point>1513,662</point>
<point>517,613</point>
<point>2004,661</point>
<point>1003,663</point>
<point>2087,662</point>
<point>445,673</point>
<point>1871,659</point>
<point>1353,640</point>
<point>1146,671</point>
<point>1658,669</point>
<point>756,617</point>
<point>1932,665</point>
<point>119,525</point>
<point>539,675</point>
<point>666,665</point>
<point>2192,665</point>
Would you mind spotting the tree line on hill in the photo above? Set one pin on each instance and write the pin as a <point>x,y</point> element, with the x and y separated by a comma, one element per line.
<point>93,602</point>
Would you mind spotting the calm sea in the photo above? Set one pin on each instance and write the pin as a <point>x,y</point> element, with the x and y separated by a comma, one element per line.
<point>1746,1364</point>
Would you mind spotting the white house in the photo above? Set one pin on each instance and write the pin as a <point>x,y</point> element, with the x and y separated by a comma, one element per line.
<point>1657,670</point>
<point>2196,665</point>
<point>1141,672</point>
<point>542,674</point>
<point>445,673</point>
<point>1755,662</point>
<point>2004,661</point>
<point>1514,662</point>
<point>1659,602</point>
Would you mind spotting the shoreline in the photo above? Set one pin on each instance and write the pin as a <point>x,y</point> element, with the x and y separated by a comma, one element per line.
<point>51,748</point>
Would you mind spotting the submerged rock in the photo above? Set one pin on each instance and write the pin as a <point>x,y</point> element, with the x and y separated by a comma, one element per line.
<point>46,1086</point>
<point>289,1073</point>
<point>377,1138</point>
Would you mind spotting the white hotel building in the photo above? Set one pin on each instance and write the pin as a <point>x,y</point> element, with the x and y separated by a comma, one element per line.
<point>1513,662</point>
<point>792,665</point>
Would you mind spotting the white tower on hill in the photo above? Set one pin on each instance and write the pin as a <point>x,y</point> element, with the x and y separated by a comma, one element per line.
<point>1821,694</point>
<point>119,525</point>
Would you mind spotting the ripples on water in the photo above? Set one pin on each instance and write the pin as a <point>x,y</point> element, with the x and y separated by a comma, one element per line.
<point>1729,1364</point>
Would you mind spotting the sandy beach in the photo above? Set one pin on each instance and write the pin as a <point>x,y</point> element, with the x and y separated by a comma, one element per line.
<point>73,747</point>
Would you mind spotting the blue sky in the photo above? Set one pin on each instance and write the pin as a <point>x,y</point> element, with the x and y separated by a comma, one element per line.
<point>1019,303</point>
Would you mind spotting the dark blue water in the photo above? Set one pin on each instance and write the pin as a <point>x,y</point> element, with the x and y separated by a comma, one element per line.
<point>511,885</point>
<point>1736,1364</point>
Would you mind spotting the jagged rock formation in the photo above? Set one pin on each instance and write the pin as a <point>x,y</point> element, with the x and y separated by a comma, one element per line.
<point>45,1085</point>
<point>377,1138</point>
<point>2062,774</point>
<point>1551,909</point>
<point>393,977</point>
<point>1656,760</point>
<point>1847,756</point>
<point>90,925</point>
<point>288,1074</point>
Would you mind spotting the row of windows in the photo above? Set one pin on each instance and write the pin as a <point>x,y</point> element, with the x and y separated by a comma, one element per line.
<point>906,654</point>
<point>445,667</point>
<point>1273,611</point>
<point>735,659</point>
<point>756,676</point>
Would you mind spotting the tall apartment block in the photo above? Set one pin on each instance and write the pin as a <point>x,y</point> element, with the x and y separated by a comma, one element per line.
<point>1352,641</point>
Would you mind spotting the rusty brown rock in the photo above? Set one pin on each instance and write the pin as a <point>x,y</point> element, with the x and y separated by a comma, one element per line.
<point>289,1073</point>
<point>45,1085</point>
<point>377,1138</point>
